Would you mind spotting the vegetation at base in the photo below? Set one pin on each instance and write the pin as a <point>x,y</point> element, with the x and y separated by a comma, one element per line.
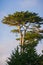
<point>28,57</point>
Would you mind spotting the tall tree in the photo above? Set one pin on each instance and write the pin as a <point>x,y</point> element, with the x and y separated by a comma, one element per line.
<point>25,22</point>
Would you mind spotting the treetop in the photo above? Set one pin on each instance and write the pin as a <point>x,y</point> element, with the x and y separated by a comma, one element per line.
<point>22,18</point>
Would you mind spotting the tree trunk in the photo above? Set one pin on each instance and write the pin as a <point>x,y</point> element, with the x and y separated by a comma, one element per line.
<point>21,41</point>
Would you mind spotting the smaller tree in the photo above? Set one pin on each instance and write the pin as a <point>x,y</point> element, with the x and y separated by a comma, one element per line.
<point>28,57</point>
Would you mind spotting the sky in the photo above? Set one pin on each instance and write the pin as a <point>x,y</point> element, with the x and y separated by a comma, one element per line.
<point>7,39</point>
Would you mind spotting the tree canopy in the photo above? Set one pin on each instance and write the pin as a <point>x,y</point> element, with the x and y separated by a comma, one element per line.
<point>21,18</point>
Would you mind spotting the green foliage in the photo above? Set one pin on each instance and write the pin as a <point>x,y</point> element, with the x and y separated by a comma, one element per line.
<point>41,60</point>
<point>33,36</point>
<point>28,57</point>
<point>15,31</point>
<point>21,18</point>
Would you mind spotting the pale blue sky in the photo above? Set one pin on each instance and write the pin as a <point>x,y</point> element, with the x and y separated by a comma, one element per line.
<point>7,39</point>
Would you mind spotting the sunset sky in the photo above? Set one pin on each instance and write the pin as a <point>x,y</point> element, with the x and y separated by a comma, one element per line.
<point>7,39</point>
